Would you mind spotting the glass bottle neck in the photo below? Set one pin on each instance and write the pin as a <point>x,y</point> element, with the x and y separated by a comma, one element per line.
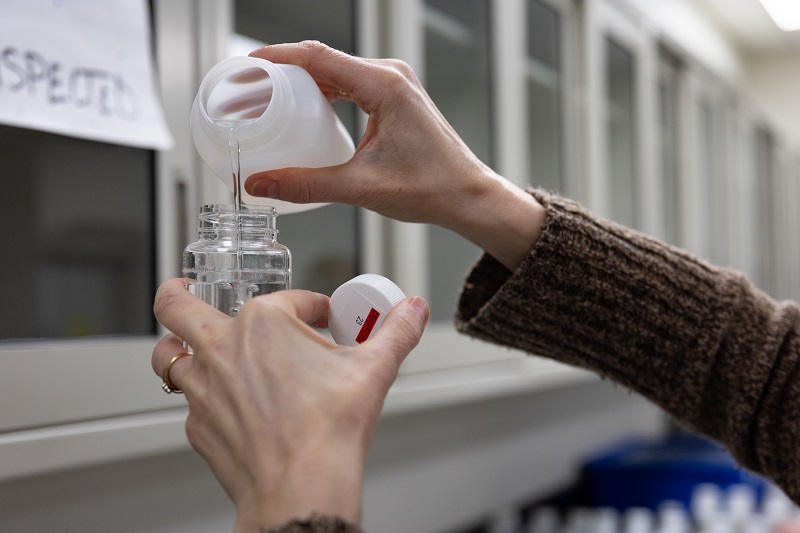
<point>250,221</point>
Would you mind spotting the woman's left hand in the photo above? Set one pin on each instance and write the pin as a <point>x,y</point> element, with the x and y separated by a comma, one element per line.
<point>283,417</point>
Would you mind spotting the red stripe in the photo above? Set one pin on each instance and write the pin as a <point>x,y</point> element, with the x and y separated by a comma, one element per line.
<point>369,323</point>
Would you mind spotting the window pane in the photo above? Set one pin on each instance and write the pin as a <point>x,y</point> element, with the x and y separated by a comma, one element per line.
<point>621,133</point>
<point>765,227</point>
<point>277,21</point>
<point>324,241</point>
<point>747,190</point>
<point>706,173</point>
<point>669,113</point>
<point>545,134</point>
<point>458,78</point>
<point>79,237</point>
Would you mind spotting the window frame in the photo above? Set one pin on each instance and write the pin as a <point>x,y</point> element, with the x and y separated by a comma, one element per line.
<point>66,393</point>
<point>442,347</point>
<point>96,400</point>
<point>61,379</point>
<point>604,20</point>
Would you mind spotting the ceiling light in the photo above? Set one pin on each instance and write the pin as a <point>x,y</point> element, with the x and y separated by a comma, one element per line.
<point>785,13</point>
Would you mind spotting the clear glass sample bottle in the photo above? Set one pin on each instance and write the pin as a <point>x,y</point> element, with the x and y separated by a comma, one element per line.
<point>237,257</point>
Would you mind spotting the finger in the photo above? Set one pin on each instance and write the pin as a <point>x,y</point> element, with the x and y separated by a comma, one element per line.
<point>185,314</point>
<point>304,185</point>
<point>309,307</point>
<point>400,332</point>
<point>333,70</point>
<point>163,352</point>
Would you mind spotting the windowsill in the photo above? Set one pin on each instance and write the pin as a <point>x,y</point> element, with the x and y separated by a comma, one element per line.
<point>516,374</point>
<point>81,444</point>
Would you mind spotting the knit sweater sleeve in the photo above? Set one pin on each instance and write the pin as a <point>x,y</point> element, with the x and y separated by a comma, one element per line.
<point>317,523</point>
<point>699,341</point>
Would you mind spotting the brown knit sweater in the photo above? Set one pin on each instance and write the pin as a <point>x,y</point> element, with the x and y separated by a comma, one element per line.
<point>699,341</point>
<point>317,524</point>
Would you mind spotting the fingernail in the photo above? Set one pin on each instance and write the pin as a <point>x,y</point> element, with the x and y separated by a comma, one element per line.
<point>421,306</point>
<point>264,188</point>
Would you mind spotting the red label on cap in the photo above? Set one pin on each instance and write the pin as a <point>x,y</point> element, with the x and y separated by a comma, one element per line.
<point>369,323</point>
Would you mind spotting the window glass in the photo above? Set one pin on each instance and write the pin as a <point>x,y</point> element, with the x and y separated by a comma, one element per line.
<point>747,190</point>
<point>323,241</point>
<point>766,250</point>
<point>669,125</point>
<point>78,237</point>
<point>621,136</point>
<point>458,78</point>
<point>706,177</point>
<point>792,242</point>
<point>544,86</point>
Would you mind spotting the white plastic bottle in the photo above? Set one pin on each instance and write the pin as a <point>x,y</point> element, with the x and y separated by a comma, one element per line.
<point>276,114</point>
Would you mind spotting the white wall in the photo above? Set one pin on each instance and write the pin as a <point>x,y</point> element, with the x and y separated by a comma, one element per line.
<point>685,24</point>
<point>774,83</point>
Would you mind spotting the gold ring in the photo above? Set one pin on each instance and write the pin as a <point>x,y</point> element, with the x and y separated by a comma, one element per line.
<point>168,386</point>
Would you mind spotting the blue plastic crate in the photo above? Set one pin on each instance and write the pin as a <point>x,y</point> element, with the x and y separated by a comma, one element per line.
<point>648,472</point>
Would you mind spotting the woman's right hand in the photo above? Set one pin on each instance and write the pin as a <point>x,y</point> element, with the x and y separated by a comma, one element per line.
<point>410,164</point>
<point>409,157</point>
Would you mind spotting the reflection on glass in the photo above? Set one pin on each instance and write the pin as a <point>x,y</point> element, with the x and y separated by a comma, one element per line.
<point>711,241</point>
<point>747,213</point>
<point>765,250</point>
<point>78,237</point>
<point>621,134</point>
<point>324,241</point>
<point>457,75</point>
<point>276,21</point>
<point>791,239</point>
<point>669,113</point>
<point>544,98</point>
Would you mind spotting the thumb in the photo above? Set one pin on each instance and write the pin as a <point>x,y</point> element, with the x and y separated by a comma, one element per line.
<point>400,332</point>
<point>301,185</point>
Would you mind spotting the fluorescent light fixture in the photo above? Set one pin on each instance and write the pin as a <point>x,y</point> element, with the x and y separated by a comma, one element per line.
<point>785,13</point>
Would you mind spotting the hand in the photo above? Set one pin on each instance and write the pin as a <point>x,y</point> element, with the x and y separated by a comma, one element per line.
<point>283,417</point>
<point>790,525</point>
<point>410,164</point>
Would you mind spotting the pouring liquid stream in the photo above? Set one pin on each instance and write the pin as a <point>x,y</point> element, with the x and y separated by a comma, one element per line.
<point>236,170</point>
<point>234,149</point>
<point>236,175</point>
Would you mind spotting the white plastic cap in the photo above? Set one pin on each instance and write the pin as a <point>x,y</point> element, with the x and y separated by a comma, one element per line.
<point>358,307</point>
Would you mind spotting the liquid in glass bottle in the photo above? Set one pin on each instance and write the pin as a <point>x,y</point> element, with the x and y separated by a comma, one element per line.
<point>236,257</point>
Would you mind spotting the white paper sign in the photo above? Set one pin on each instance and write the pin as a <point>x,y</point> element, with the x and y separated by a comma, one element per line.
<point>81,68</point>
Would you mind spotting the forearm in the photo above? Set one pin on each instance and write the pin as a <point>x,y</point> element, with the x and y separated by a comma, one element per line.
<point>327,488</point>
<point>698,341</point>
<point>499,217</point>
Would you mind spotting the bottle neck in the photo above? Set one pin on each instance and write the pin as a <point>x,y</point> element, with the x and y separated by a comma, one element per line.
<point>245,98</point>
<point>252,222</point>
